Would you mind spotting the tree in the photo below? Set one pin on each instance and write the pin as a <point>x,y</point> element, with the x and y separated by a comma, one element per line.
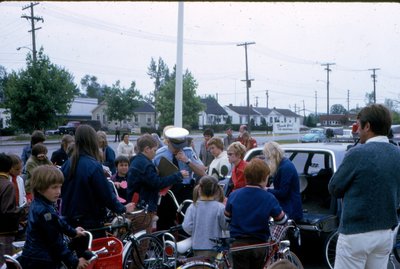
<point>121,103</point>
<point>338,109</point>
<point>369,98</point>
<point>92,88</point>
<point>36,95</point>
<point>165,101</point>
<point>3,80</point>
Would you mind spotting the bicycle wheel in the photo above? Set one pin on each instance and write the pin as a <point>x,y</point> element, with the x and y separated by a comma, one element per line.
<point>396,246</point>
<point>144,252</point>
<point>292,258</point>
<point>197,265</point>
<point>330,248</point>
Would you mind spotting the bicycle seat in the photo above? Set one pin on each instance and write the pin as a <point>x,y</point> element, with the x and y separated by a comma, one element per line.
<point>182,246</point>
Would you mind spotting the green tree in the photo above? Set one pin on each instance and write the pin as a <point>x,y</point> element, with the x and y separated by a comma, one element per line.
<point>338,109</point>
<point>36,95</point>
<point>165,101</point>
<point>369,98</point>
<point>3,80</point>
<point>121,102</point>
<point>92,88</point>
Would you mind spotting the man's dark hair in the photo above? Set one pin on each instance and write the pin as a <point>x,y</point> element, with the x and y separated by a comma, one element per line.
<point>209,132</point>
<point>37,137</point>
<point>379,118</point>
<point>5,163</point>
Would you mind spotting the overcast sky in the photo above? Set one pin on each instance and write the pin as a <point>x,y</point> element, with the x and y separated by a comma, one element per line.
<point>116,41</point>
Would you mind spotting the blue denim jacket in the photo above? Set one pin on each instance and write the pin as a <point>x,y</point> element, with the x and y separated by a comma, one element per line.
<point>44,235</point>
<point>143,178</point>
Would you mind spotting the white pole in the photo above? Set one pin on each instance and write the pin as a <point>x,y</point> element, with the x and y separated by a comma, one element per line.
<point>179,63</point>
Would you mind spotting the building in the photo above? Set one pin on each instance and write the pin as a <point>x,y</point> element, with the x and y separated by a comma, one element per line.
<point>144,116</point>
<point>337,119</point>
<point>5,117</point>
<point>239,114</point>
<point>282,120</point>
<point>212,114</point>
<point>81,109</point>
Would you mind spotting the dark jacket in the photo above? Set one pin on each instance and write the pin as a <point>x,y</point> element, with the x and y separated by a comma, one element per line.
<point>87,194</point>
<point>44,235</point>
<point>110,159</point>
<point>59,157</point>
<point>143,178</point>
<point>9,214</point>
<point>287,189</point>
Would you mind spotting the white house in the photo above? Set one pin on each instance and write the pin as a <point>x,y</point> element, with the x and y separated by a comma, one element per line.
<point>212,114</point>
<point>5,117</point>
<point>81,109</point>
<point>239,114</point>
<point>144,116</point>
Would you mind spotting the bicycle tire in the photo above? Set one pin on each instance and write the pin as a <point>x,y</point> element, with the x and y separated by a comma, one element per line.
<point>293,259</point>
<point>197,265</point>
<point>330,249</point>
<point>153,257</point>
<point>396,246</point>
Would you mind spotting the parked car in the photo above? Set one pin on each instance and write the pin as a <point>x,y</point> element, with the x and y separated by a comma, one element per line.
<point>69,128</point>
<point>314,135</point>
<point>315,164</point>
<point>346,137</point>
<point>52,132</point>
<point>396,134</point>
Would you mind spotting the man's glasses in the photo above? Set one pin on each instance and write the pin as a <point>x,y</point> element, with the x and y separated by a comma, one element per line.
<point>230,153</point>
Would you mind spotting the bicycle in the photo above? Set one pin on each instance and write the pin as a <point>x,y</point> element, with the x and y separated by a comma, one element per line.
<point>139,248</point>
<point>277,248</point>
<point>330,250</point>
<point>11,262</point>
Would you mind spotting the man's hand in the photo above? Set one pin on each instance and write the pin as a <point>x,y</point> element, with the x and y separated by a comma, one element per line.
<point>82,263</point>
<point>184,173</point>
<point>80,231</point>
<point>130,207</point>
<point>181,157</point>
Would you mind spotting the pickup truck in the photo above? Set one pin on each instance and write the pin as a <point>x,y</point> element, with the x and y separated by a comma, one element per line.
<point>71,126</point>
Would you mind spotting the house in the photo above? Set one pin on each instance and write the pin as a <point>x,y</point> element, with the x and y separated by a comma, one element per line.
<point>81,109</point>
<point>5,118</point>
<point>144,116</point>
<point>238,114</point>
<point>212,114</point>
<point>282,120</point>
<point>337,119</point>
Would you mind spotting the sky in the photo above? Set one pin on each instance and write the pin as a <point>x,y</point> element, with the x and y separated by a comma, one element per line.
<point>116,41</point>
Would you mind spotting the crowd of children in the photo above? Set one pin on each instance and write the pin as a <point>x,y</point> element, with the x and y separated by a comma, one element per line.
<point>81,180</point>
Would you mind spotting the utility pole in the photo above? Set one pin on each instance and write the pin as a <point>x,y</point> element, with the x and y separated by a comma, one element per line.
<point>248,82</point>
<point>315,103</point>
<point>33,29</point>
<point>348,101</point>
<point>304,110</point>
<point>256,97</point>
<point>327,85</point>
<point>373,76</point>
<point>266,93</point>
